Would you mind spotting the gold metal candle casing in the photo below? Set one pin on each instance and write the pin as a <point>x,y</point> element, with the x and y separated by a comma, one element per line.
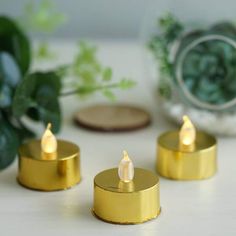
<point>48,175</point>
<point>126,203</point>
<point>174,163</point>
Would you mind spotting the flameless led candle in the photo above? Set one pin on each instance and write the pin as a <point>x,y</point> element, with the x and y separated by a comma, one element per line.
<point>49,164</point>
<point>186,154</point>
<point>126,195</point>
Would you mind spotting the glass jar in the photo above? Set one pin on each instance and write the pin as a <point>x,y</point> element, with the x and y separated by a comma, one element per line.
<point>193,63</point>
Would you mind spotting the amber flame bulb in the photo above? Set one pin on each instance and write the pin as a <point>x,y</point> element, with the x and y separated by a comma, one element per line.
<point>187,134</point>
<point>126,168</point>
<point>48,141</point>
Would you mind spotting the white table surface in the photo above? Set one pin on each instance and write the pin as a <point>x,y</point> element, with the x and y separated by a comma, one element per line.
<point>188,208</point>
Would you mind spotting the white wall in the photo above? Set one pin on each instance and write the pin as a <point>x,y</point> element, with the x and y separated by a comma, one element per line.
<point>123,18</point>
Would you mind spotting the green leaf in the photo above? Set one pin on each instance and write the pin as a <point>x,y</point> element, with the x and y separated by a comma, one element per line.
<point>48,106</point>
<point>225,28</point>
<point>107,74</point>
<point>5,96</point>
<point>44,52</point>
<point>110,95</point>
<point>38,97</point>
<point>9,78</point>
<point>23,99</point>
<point>164,89</point>
<point>85,90</point>
<point>15,42</point>
<point>9,70</point>
<point>127,84</point>
<point>89,75</point>
<point>9,143</point>
<point>86,67</point>
<point>42,17</point>
<point>25,133</point>
<point>169,29</point>
<point>189,38</point>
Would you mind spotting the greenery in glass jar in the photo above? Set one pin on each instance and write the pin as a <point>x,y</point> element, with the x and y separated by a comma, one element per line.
<point>208,69</point>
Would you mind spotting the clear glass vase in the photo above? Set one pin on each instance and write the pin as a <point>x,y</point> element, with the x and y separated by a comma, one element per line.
<point>194,74</point>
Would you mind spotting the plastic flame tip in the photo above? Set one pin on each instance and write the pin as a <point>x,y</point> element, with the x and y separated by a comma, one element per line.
<point>125,155</point>
<point>187,133</point>
<point>126,168</point>
<point>48,141</point>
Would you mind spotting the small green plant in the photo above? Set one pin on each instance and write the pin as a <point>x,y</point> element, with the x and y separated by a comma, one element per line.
<point>35,94</point>
<point>89,75</point>
<point>169,30</point>
<point>208,69</point>
<point>43,18</point>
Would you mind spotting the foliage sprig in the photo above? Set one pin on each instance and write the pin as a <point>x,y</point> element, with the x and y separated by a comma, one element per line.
<point>34,95</point>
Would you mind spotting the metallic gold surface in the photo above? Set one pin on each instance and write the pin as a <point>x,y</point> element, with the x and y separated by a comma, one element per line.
<point>49,175</point>
<point>199,163</point>
<point>116,202</point>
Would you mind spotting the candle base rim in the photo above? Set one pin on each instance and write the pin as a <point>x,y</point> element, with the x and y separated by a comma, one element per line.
<point>125,223</point>
<point>46,190</point>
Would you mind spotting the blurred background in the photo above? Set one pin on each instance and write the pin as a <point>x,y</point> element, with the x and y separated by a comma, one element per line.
<point>139,38</point>
<point>123,19</point>
<point>89,18</point>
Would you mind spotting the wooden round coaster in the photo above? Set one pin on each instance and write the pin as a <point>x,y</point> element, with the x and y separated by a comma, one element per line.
<point>112,118</point>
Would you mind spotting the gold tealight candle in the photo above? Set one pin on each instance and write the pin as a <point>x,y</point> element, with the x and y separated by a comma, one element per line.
<point>126,195</point>
<point>49,164</point>
<point>186,154</point>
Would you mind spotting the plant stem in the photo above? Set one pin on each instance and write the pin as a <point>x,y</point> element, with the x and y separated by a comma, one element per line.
<point>91,89</point>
